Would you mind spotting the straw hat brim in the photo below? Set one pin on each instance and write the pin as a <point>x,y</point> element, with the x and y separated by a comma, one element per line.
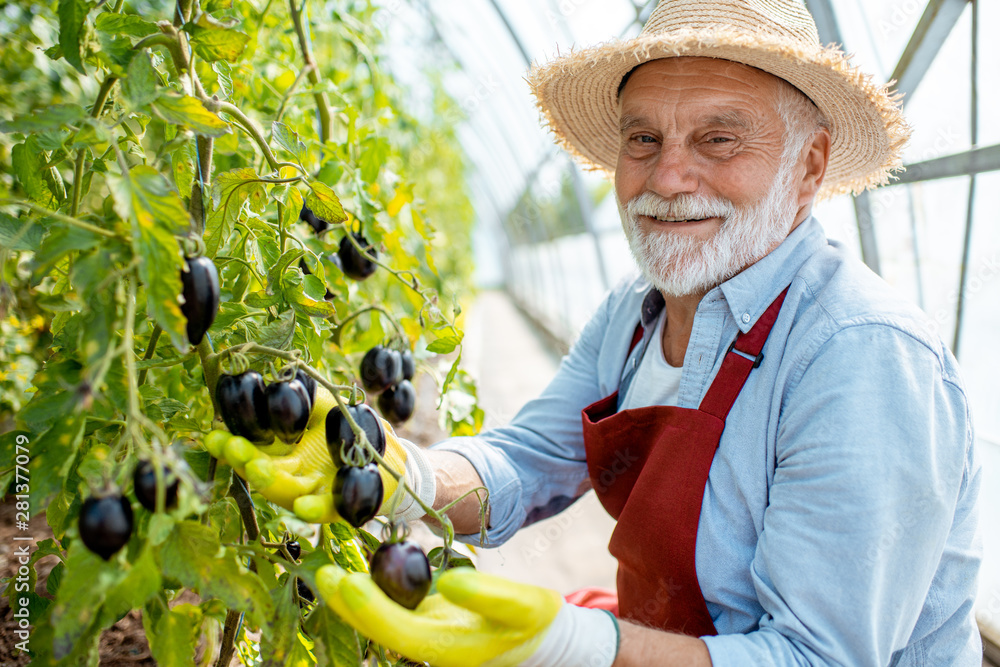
<point>578,96</point>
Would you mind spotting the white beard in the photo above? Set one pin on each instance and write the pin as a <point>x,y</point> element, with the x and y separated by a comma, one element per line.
<point>679,264</point>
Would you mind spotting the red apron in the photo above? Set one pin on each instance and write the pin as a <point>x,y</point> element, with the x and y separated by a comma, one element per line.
<point>649,467</point>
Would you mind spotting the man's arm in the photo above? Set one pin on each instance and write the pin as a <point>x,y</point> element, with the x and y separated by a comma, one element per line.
<point>455,477</point>
<point>642,647</point>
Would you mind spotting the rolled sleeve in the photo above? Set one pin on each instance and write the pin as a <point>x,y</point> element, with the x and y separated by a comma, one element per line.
<point>536,466</point>
<point>872,468</point>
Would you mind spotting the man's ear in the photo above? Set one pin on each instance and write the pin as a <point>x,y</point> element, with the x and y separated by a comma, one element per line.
<point>815,158</point>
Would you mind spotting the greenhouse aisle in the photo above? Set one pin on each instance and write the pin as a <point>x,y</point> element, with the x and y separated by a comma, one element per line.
<point>512,364</point>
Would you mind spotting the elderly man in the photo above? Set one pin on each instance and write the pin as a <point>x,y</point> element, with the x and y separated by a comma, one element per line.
<point>785,444</point>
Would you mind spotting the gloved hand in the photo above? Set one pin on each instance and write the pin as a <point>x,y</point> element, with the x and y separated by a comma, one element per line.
<point>299,477</point>
<point>475,619</point>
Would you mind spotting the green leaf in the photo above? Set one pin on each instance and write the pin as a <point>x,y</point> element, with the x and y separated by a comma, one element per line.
<point>139,87</point>
<point>125,24</point>
<point>189,112</point>
<point>308,298</point>
<point>262,299</point>
<point>445,344</point>
<point>282,627</point>
<point>157,213</point>
<point>230,192</point>
<point>141,583</point>
<point>224,74</point>
<point>84,587</point>
<point>279,333</point>
<point>276,271</point>
<point>58,243</point>
<point>20,234</point>
<point>337,644</point>
<point>289,140</point>
<point>72,15</point>
<point>216,43</point>
<point>325,203</point>
<point>45,119</point>
<point>28,161</point>
<point>449,379</point>
<point>172,643</point>
<point>194,556</point>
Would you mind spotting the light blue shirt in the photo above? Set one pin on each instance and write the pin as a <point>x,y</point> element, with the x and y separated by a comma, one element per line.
<point>839,521</point>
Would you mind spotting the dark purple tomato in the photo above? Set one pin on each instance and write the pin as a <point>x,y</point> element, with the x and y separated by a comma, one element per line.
<point>409,365</point>
<point>338,431</point>
<point>243,403</point>
<point>309,382</point>
<point>317,223</point>
<point>353,263</point>
<point>380,369</point>
<point>294,549</point>
<point>288,408</point>
<point>357,493</point>
<point>201,296</point>
<point>105,524</point>
<point>305,593</point>
<point>397,403</point>
<point>402,571</point>
<point>144,484</point>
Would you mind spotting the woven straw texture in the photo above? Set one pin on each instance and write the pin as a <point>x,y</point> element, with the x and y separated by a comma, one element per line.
<point>577,93</point>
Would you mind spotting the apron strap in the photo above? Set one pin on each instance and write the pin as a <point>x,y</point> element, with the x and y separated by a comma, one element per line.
<point>743,355</point>
<point>636,337</point>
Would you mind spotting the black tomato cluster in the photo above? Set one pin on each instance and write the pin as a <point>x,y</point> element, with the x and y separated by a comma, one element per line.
<point>200,282</point>
<point>402,571</point>
<point>388,372</point>
<point>357,490</point>
<point>260,413</point>
<point>105,524</point>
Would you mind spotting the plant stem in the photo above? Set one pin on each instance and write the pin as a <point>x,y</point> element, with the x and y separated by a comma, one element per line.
<point>196,207</point>
<point>127,345</point>
<point>322,104</point>
<point>368,309</point>
<point>253,130</point>
<point>102,96</point>
<point>69,220</point>
<point>154,337</point>
<point>241,494</point>
<point>210,368</point>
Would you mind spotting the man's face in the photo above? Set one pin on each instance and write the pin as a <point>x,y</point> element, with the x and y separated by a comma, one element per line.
<point>700,181</point>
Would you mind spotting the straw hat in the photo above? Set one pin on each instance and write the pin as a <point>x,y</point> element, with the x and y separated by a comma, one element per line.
<point>578,93</point>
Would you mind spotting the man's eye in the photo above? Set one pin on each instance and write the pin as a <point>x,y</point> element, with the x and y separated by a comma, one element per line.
<point>719,140</point>
<point>645,139</point>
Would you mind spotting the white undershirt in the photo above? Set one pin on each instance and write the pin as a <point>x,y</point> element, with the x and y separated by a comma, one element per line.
<point>656,382</point>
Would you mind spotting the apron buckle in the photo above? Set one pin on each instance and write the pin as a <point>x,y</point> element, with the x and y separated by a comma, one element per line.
<point>756,360</point>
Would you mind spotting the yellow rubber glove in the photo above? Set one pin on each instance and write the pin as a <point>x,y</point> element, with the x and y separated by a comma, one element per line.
<point>473,619</point>
<point>299,477</point>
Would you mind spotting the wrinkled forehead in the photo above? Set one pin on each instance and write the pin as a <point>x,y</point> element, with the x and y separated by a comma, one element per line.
<point>694,71</point>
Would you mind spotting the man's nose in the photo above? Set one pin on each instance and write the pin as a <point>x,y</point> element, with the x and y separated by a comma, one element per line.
<point>672,173</point>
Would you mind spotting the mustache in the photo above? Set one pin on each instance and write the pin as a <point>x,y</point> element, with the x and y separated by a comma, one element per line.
<point>680,207</point>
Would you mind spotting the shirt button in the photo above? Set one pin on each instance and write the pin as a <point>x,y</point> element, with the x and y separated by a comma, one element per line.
<point>746,318</point>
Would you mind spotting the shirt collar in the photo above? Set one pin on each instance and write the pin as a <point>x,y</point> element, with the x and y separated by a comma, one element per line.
<point>750,292</point>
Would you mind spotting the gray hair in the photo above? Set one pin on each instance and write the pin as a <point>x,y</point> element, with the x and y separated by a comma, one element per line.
<point>801,117</point>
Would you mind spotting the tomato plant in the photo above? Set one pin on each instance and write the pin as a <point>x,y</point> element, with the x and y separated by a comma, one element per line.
<point>254,158</point>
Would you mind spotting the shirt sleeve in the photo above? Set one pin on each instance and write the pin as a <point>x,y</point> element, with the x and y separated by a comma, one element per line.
<point>873,456</point>
<point>535,466</point>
